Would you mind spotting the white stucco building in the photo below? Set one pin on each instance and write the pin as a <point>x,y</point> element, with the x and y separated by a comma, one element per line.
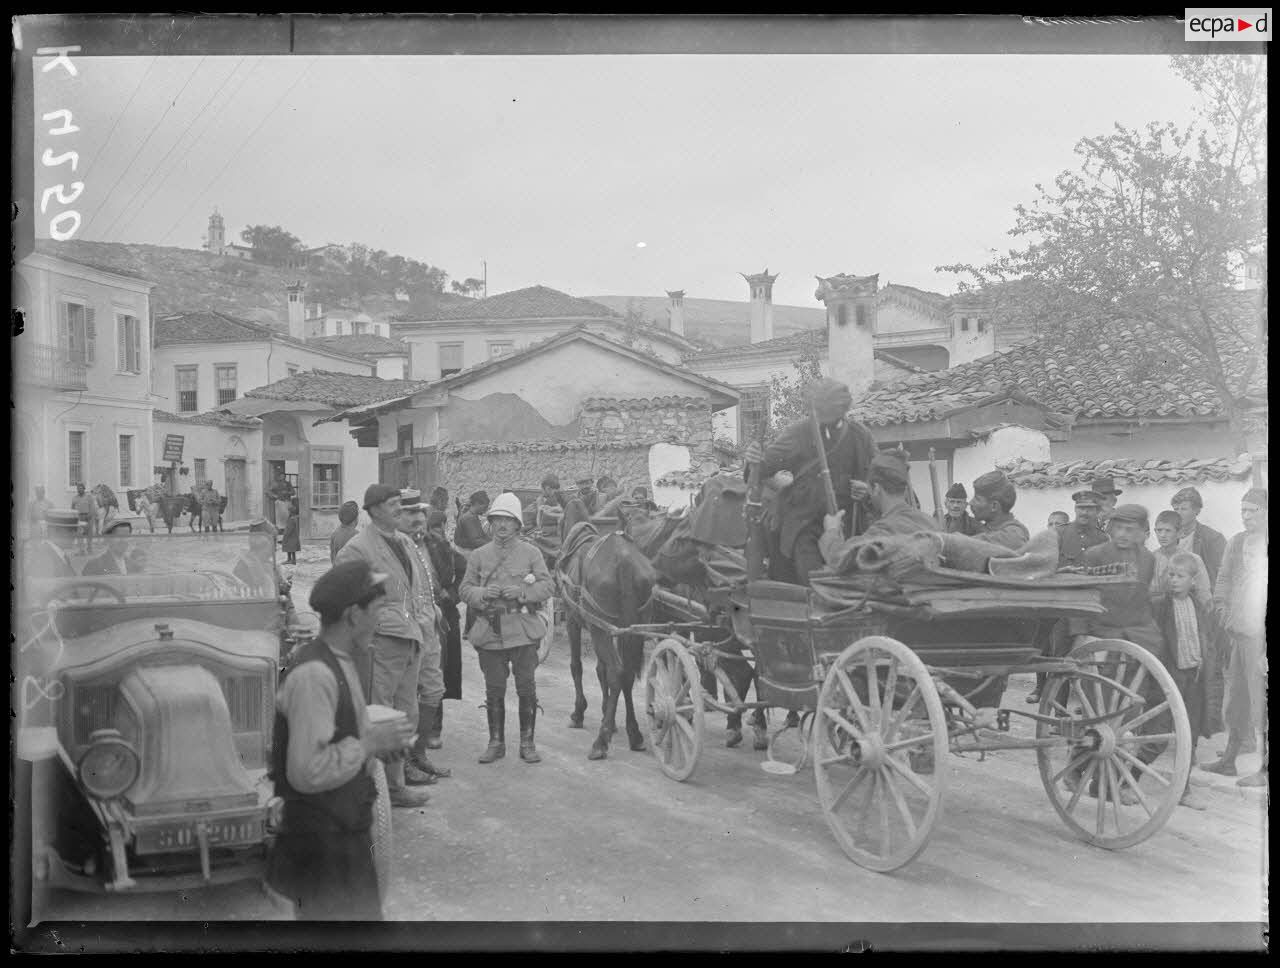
<point>82,378</point>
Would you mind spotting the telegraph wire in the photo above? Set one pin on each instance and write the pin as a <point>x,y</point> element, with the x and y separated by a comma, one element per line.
<point>123,111</point>
<point>128,212</point>
<point>197,197</point>
<point>190,147</point>
<point>154,128</point>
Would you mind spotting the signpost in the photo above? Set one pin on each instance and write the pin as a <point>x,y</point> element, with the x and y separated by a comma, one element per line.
<point>173,444</point>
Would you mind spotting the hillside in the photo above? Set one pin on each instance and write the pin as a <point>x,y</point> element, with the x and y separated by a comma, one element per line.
<point>720,322</point>
<point>191,279</point>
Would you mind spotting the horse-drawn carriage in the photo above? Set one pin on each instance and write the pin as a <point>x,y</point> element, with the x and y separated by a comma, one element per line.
<point>882,688</point>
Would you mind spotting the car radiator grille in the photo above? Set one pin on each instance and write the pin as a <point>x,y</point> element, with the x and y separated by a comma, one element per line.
<point>95,706</point>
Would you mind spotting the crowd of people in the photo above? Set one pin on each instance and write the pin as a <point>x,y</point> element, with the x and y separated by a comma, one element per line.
<point>391,624</point>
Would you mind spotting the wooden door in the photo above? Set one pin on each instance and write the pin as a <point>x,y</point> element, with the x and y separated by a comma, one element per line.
<point>237,490</point>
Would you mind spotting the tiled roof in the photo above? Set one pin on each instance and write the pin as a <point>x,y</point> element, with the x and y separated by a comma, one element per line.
<point>646,403</point>
<point>212,418</point>
<point>693,479</point>
<point>535,302</point>
<point>1025,473</point>
<point>792,341</point>
<point>363,345</point>
<point>210,326</point>
<point>336,389</point>
<point>51,248</point>
<point>1098,382</point>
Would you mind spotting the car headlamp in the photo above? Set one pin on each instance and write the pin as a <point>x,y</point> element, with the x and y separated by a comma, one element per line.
<point>110,765</point>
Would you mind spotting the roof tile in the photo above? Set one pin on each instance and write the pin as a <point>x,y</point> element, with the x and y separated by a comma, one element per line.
<point>336,389</point>
<point>1042,474</point>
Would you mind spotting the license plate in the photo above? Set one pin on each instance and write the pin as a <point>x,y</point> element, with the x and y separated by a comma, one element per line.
<point>183,836</point>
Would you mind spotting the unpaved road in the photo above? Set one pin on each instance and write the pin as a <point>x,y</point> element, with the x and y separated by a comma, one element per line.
<point>573,840</point>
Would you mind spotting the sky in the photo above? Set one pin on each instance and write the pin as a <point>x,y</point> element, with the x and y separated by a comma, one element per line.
<point>597,174</point>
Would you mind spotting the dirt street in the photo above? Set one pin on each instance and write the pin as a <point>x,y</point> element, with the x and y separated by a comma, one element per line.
<point>570,839</point>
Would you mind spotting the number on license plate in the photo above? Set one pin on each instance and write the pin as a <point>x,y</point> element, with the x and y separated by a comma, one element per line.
<point>220,833</point>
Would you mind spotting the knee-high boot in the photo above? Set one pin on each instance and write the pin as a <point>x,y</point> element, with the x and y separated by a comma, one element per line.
<point>497,748</point>
<point>528,715</point>
<point>435,727</point>
<point>426,717</point>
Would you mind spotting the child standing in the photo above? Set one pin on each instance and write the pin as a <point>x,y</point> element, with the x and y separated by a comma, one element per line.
<point>1189,635</point>
<point>292,544</point>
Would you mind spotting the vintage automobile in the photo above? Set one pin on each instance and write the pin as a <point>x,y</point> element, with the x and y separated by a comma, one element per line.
<point>147,705</point>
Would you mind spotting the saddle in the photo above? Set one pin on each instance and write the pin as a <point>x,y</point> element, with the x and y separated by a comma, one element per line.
<point>580,535</point>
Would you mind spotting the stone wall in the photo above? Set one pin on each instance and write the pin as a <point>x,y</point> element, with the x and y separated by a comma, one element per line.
<point>614,439</point>
<point>520,466</point>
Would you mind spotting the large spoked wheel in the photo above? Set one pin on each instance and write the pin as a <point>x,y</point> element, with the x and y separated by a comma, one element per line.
<point>548,613</point>
<point>1123,764</point>
<point>383,848</point>
<point>879,742</point>
<point>673,709</point>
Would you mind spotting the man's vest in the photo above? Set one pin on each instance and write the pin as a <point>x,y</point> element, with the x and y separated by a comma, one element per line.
<point>348,808</point>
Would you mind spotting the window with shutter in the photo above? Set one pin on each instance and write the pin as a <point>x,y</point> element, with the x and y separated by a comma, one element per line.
<point>75,457</point>
<point>128,344</point>
<point>90,335</point>
<point>753,412</point>
<point>450,359</point>
<point>126,460</point>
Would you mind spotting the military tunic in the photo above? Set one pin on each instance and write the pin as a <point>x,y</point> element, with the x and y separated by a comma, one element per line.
<point>1077,538</point>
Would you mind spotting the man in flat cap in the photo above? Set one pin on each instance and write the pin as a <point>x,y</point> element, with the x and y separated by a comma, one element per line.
<point>322,757</point>
<point>420,771</point>
<point>794,467</point>
<point>348,515</point>
<point>397,638</point>
<point>955,517</point>
<point>1240,600</point>
<point>113,561</point>
<point>1128,616</point>
<point>887,482</point>
<point>1197,538</point>
<point>1082,533</point>
<point>469,533</point>
<point>993,498</point>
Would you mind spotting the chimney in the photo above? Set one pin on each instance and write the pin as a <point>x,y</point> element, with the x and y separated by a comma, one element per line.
<point>675,311</point>
<point>297,324</point>
<point>761,305</point>
<point>851,328</point>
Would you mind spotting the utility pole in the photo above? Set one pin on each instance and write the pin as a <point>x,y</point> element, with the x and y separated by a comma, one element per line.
<point>484,272</point>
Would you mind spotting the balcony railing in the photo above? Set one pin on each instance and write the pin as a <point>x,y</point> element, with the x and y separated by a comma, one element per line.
<point>40,364</point>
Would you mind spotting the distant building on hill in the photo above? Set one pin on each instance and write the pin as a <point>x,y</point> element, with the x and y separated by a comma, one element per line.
<point>216,242</point>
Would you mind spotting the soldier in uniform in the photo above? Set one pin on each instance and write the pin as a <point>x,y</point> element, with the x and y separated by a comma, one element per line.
<point>993,498</point>
<point>888,481</point>
<point>506,581</point>
<point>1082,533</point>
<point>793,466</point>
<point>1108,494</point>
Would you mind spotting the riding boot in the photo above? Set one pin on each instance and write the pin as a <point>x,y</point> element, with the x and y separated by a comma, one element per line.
<point>497,748</point>
<point>434,727</point>
<point>528,715</point>
<point>426,715</point>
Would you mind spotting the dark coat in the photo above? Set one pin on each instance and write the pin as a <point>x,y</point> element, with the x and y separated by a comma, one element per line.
<point>1210,545</point>
<point>469,534</point>
<point>801,505</point>
<point>291,541</point>
<point>1077,538</point>
<point>1128,605</point>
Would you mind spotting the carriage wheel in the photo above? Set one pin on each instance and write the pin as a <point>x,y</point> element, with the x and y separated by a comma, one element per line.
<point>1097,781</point>
<point>879,743</point>
<point>548,613</point>
<point>673,709</point>
<point>383,848</point>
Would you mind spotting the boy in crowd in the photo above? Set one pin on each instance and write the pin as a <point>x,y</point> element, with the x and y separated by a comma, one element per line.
<point>1189,630</point>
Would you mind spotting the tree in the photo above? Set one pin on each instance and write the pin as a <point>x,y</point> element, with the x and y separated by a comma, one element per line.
<point>470,287</point>
<point>787,400</point>
<point>1146,232</point>
<point>271,244</point>
<point>634,327</point>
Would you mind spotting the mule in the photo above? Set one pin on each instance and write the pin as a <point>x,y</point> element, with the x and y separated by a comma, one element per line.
<point>608,578</point>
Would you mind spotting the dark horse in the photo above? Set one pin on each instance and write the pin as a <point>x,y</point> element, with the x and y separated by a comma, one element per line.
<point>606,579</point>
<point>686,553</point>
